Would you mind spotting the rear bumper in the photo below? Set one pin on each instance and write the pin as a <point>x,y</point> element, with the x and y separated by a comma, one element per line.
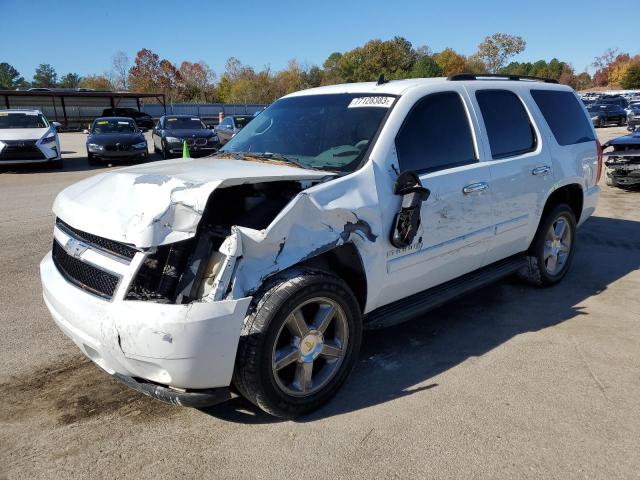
<point>590,202</point>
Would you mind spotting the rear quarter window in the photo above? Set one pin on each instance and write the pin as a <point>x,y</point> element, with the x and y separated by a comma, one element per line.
<point>564,115</point>
<point>508,125</point>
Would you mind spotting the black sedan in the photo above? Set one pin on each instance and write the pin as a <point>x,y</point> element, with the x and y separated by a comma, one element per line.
<point>172,131</point>
<point>115,138</point>
<point>604,114</point>
<point>142,119</point>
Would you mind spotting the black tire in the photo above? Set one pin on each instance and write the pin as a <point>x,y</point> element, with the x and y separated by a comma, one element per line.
<point>165,155</point>
<point>601,123</point>
<point>536,271</point>
<point>254,376</point>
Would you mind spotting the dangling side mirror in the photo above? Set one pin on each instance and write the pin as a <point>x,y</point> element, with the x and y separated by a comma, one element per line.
<point>407,220</point>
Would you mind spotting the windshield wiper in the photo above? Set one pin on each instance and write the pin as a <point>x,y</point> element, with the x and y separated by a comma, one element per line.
<point>272,156</point>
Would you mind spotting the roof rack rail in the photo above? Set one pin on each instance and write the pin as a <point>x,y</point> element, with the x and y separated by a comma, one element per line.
<point>479,76</point>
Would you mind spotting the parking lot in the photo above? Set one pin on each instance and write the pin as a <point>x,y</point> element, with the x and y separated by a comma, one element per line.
<point>511,381</point>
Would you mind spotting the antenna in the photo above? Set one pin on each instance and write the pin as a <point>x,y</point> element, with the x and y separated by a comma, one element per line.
<point>381,80</point>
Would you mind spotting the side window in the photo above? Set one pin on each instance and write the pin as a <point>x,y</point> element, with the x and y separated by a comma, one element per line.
<point>564,115</point>
<point>508,125</point>
<point>435,135</point>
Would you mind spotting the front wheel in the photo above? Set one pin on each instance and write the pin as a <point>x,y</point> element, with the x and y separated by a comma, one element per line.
<point>299,343</point>
<point>551,251</point>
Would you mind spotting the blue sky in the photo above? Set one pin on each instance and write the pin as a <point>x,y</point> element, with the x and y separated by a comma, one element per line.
<point>81,36</point>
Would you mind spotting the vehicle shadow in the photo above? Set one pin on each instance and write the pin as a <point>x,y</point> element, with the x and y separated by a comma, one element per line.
<point>73,164</point>
<point>405,359</point>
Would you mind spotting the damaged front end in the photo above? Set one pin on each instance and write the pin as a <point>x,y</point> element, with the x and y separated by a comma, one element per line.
<point>159,289</point>
<point>623,162</point>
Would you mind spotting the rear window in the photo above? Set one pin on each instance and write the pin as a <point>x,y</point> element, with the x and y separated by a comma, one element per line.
<point>508,126</point>
<point>564,115</point>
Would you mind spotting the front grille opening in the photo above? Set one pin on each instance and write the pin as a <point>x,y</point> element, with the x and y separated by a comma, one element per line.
<point>161,272</point>
<point>21,150</point>
<point>83,275</point>
<point>110,246</point>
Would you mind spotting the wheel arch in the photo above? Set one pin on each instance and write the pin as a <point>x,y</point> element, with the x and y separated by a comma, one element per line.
<point>345,262</point>
<point>572,194</point>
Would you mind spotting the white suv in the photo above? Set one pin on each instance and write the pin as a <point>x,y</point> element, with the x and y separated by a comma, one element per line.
<point>27,137</point>
<point>338,208</point>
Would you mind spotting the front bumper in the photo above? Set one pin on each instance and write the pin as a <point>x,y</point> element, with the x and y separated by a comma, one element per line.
<point>194,150</point>
<point>121,155</point>
<point>191,346</point>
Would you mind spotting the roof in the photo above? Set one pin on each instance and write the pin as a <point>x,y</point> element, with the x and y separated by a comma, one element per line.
<point>400,87</point>
<point>21,110</point>
<point>182,115</point>
<point>75,93</point>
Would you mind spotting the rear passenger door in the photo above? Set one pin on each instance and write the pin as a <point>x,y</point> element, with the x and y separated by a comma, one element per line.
<point>521,170</point>
<point>437,141</point>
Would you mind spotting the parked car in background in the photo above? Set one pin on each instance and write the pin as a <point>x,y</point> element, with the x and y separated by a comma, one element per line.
<point>142,119</point>
<point>633,115</point>
<point>618,100</point>
<point>172,130</point>
<point>603,114</point>
<point>338,208</point>
<point>115,139</point>
<point>231,125</point>
<point>26,136</point>
<point>623,162</point>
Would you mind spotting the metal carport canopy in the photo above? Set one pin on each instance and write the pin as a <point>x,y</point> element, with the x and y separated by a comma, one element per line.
<point>62,94</point>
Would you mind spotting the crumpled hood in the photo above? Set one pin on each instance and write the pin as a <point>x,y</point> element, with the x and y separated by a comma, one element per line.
<point>22,133</point>
<point>162,202</point>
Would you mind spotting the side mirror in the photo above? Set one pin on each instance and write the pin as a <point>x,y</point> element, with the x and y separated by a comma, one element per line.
<point>85,131</point>
<point>56,125</point>
<point>407,220</point>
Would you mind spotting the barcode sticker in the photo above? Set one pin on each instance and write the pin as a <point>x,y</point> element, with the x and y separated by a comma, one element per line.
<point>360,102</point>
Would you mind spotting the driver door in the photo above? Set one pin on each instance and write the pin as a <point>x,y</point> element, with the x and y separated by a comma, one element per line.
<point>436,140</point>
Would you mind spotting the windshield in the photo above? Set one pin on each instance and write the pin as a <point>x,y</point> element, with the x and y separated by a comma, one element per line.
<point>330,132</point>
<point>22,120</point>
<point>179,123</point>
<point>241,122</point>
<point>114,126</point>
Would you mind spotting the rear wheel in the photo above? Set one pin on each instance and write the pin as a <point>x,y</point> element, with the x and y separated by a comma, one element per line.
<point>299,343</point>
<point>165,153</point>
<point>551,251</point>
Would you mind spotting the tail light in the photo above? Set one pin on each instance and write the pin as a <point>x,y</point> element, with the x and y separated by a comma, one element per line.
<point>599,161</point>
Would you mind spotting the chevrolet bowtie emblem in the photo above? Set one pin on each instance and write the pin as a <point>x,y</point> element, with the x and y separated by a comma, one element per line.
<point>75,248</point>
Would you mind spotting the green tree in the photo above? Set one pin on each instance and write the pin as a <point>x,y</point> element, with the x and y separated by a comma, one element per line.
<point>45,76</point>
<point>631,77</point>
<point>9,77</point>
<point>495,50</point>
<point>70,80</point>
<point>96,82</point>
<point>425,67</point>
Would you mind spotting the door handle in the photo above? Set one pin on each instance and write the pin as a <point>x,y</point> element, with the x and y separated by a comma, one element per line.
<point>543,170</point>
<point>475,188</point>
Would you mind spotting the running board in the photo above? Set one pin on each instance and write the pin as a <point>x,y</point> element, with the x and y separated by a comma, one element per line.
<point>410,307</point>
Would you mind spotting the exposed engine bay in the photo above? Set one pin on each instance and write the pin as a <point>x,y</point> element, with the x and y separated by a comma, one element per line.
<point>185,271</point>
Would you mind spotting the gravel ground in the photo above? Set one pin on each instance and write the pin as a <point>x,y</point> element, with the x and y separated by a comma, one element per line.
<point>509,382</point>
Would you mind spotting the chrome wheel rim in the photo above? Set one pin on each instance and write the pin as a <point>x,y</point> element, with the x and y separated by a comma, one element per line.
<point>310,347</point>
<point>557,245</point>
